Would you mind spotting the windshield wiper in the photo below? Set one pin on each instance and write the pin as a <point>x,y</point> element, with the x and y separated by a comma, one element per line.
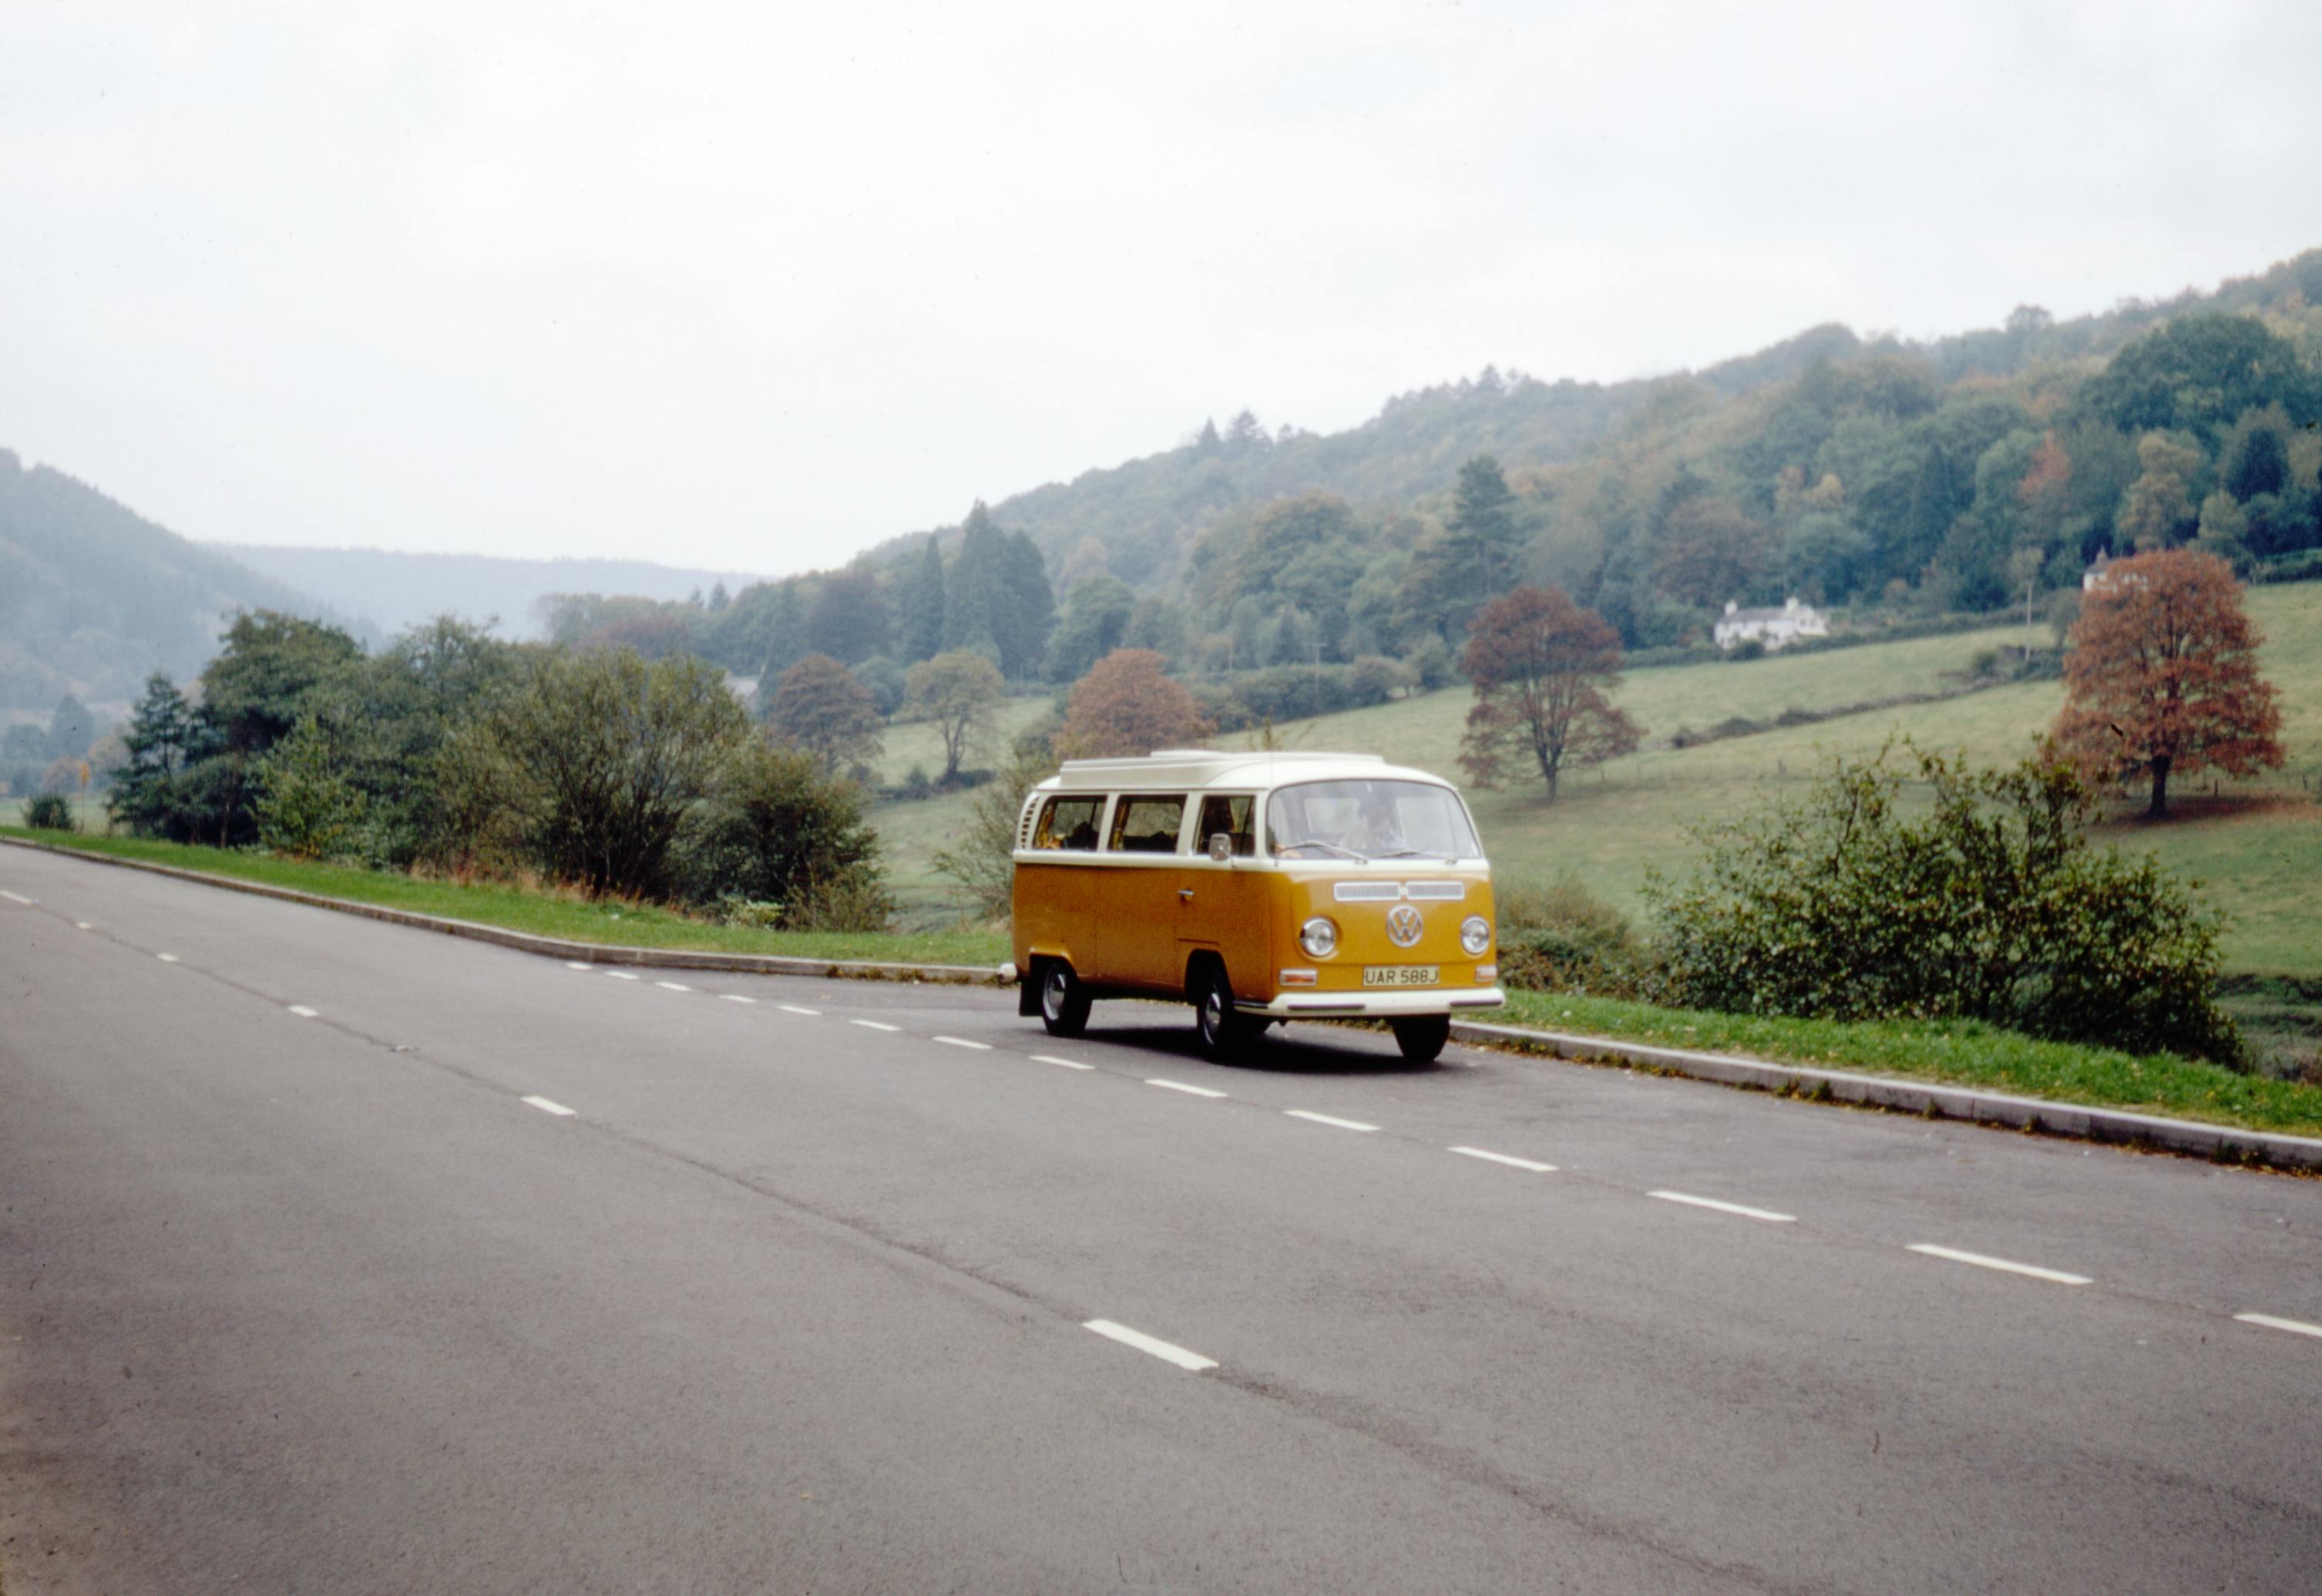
<point>1416,853</point>
<point>1333,847</point>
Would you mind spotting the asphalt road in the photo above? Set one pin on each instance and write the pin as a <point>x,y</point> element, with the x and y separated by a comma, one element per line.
<point>339,1256</point>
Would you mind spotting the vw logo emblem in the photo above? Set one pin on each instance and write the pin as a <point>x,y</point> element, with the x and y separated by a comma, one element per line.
<point>1404,924</point>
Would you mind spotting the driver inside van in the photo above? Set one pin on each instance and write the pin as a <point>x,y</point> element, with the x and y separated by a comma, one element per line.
<point>1376,830</point>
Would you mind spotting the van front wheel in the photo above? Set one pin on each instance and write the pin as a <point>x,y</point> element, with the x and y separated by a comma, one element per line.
<point>1422,1036</point>
<point>1221,1030</point>
<point>1064,1001</point>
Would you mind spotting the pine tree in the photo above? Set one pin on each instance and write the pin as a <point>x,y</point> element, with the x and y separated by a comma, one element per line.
<point>919,605</point>
<point>1025,611</point>
<point>972,589</point>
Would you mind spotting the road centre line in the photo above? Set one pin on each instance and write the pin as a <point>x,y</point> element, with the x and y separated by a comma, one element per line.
<point>576,965</point>
<point>670,986</point>
<point>2295,1326</point>
<point>166,958</point>
<point>868,1025</point>
<point>1981,1262</point>
<point>1042,1058</point>
<point>1767,1215</point>
<point>1199,1092</point>
<point>1163,1350</point>
<point>1511,1162</point>
<point>18,898</point>
<point>964,1042</point>
<point>546,1107</point>
<point>303,1012</point>
<point>794,1008</point>
<point>620,975</point>
<point>84,925</point>
<point>735,998</point>
<point>1330,1120</point>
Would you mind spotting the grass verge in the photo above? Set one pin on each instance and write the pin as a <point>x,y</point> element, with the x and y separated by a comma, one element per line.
<point>539,911</point>
<point>1954,1052</point>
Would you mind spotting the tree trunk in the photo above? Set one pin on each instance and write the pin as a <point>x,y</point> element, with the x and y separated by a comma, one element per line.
<point>2159,810</point>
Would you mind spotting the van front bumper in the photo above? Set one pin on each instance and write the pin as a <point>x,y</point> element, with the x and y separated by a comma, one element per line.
<point>1325,1005</point>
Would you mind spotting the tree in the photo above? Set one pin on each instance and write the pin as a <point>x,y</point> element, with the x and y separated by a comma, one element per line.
<point>777,830</point>
<point>1126,705</point>
<point>919,605</point>
<point>848,621</point>
<point>818,705</point>
<point>1708,551</point>
<point>163,738</point>
<point>253,692</point>
<point>2199,373</point>
<point>1024,610</point>
<point>2162,677</point>
<point>1096,622</point>
<point>2159,505</point>
<point>1541,665</point>
<point>1486,544</point>
<point>972,588</point>
<point>960,692</point>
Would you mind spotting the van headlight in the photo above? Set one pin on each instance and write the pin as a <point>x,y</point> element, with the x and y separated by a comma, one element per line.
<point>1319,937</point>
<point>1475,935</point>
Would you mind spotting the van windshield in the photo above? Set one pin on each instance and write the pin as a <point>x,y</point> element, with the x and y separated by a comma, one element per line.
<point>1370,820</point>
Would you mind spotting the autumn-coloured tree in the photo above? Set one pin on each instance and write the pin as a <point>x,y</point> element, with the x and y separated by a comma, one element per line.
<point>2161,677</point>
<point>1126,705</point>
<point>958,691</point>
<point>1541,666</point>
<point>818,706</point>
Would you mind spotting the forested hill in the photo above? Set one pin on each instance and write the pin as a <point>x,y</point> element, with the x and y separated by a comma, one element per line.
<point>93,596</point>
<point>397,591</point>
<point>1144,515</point>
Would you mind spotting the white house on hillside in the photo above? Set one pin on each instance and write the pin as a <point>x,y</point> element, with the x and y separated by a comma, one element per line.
<point>1771,627</point>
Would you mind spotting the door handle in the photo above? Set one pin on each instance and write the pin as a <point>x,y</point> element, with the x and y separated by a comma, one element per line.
<point>1185,895</point>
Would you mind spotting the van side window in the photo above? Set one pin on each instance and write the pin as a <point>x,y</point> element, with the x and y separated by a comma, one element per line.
<point>1147,824</point>
<point>1068,822</point>
<point>1229,813</point>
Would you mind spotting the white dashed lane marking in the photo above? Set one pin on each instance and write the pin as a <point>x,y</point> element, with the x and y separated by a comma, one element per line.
<point>1981,1262</point>
<point>17,897</point>
<point>1042,1058</point>
<point>576,965</point>
<point>619,975</point>
<point>735,998</point>
<point>868,1025</point>
<point>546,1107</point>
<point>1198,1091</point>
<point>1330,1120</point>
<point>1166,1351</point>
<point>670,986</point>
<point>84,925</point>
<point>2295,1326</point>
<point>964,1042</point>
<point>794,1008</point>
<point>1767,1215</point>
<point>303,1012</point>
<point>1508,1159</point>
<point>166,958</point>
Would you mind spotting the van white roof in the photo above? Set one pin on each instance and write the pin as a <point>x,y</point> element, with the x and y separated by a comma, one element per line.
<point>1203,767</point>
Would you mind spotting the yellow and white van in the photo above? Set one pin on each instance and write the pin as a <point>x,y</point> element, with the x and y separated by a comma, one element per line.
<point>1261,887</point>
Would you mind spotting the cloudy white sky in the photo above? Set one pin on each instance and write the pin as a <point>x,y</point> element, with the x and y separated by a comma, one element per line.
<point>754,285</point>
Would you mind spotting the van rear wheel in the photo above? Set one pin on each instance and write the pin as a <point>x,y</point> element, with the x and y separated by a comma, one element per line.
<point>1422,1036</point>
<point>1064,1001</point>
<point>1223,1032</point>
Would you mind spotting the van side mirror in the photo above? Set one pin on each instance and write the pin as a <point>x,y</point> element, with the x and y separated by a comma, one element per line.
<point>1222,847</point>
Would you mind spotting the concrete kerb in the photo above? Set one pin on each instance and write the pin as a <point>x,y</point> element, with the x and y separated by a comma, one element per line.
<point>558,947</point>
<point>2221,1144</point>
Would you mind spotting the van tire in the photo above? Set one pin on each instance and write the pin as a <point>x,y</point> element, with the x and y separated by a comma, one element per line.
<point>1422,1036</point>
<point>1064,1001</point>
<point>1222,1032</point>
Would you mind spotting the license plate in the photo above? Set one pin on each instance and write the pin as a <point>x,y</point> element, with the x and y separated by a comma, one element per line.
<point>1402,975</point>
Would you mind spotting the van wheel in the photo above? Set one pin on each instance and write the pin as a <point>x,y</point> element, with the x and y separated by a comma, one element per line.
<point>1422,1036</point>
<point>1064,1001</point>
<point>1223,1032</point>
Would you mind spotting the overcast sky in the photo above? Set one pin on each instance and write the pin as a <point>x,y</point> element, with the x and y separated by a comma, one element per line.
<point>753,286</point>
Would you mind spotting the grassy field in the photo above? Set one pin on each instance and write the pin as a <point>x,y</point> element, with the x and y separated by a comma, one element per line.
<point>2256,846</point>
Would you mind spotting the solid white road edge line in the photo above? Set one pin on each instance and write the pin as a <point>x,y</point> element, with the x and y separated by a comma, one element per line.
<point>962,1041</point>
<point>794,1008</point>
<point>868,1025</point>
<point>546,1107</point>
<point>2295,1326</point>
<point>1160,1349</point>
<point>670,986</point>
<point>1512,1162</point>
<point>1769,1215</point>
<point>1042,1058</point>
<point>303,1012</point>
<point>1980,1262</point>
<point>16,897</point>
<point>621,975</point>
<point>1328,1120</point>
<point>735,998</point>
<point>1199,1092</point>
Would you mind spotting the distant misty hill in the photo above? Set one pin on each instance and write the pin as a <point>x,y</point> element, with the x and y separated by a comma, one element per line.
<point>395,591</point>
<point>94,597</point>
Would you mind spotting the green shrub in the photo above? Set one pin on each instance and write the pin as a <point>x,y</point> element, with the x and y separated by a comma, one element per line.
<point>1565,938</point>
<point>776,832</point>
<point>51,811</point>
<point>1986,903</point>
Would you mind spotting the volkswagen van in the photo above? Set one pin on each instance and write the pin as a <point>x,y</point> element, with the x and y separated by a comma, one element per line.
<point>1260,888</point>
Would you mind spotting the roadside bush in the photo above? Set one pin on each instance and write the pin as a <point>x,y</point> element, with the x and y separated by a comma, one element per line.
<point>774,830</point>
<point>1985,902</point>
<point>51,811</point>
<point>1564,938</point>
